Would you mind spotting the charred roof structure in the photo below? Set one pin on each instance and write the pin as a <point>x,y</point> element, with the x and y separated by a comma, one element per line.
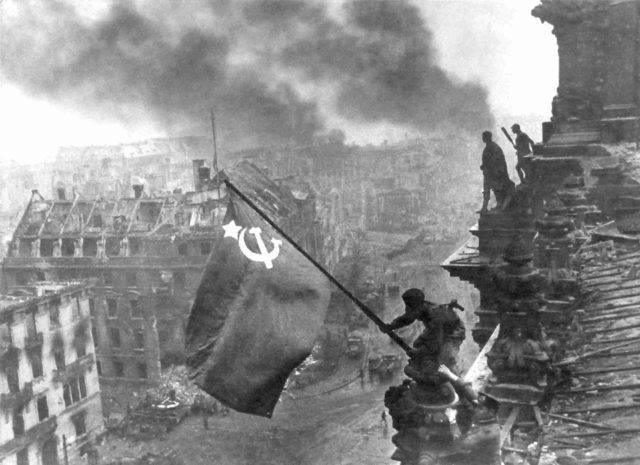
<point>146,255</point>
<point>557,266</point>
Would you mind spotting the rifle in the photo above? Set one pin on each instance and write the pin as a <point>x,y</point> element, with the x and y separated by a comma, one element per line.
<point>454,304</point>
<point>507,135</point>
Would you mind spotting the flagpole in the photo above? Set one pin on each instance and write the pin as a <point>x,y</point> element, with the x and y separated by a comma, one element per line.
<point>366,310</point>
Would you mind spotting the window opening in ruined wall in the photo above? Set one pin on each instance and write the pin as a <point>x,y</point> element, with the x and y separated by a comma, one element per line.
<point>79,423</point>
<point>135,246</point>
<point>46,247</point>
<point>89,247</point>
<point>74,390</point>
<point>205,248</point>
<point>112,308</point>
<point>183,249</point>
<point>114,336</point>
<point>18,422</point>
<point>13,380</point>
<point>36,363</point>
<point>54,312</point>
<point>58,355</point>
<point>139,340</point>
<point>136,309</point>
<point>142,370</point>
<point>113,247</point>
<point>68,248</point>
<point>118,369</point>
<point>43,408</point>
<point>75,309</point>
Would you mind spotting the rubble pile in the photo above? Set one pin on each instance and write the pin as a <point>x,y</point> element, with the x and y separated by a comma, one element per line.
<point>175,383</point>
<point>164,406</point>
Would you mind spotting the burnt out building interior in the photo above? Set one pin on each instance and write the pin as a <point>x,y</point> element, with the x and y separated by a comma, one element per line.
<point>146,256</point>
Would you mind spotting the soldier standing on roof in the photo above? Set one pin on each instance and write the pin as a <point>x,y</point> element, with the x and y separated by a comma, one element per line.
<point>496,176</point>
<point>523,141</point>
<point>443,330</point>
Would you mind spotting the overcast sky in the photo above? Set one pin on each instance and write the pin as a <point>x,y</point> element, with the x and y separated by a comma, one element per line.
<point>494,42</point>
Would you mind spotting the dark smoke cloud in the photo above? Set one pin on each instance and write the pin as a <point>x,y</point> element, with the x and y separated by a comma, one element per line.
<point>127,60</point>
<point>383,64</point>
<point>247,60</point>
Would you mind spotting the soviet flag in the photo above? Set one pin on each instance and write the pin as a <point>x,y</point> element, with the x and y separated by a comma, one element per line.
<point>256,314</point>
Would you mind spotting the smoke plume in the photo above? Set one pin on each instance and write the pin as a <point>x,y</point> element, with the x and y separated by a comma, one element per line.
<point>276,71</point>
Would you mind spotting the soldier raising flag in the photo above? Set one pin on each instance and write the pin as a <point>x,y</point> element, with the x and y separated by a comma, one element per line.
<point>256,315</point>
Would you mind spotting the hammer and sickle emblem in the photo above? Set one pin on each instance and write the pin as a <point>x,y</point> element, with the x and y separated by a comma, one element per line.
<point>264,256</point>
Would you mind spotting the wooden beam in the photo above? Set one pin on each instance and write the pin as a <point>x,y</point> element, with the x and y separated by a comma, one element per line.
<point>572,360</point>
<point>618,387</point>
<point>601,408</point>
<point>577,421</point>
<point>604,370</point>
<point>598,433</point>
<point>611,330</point>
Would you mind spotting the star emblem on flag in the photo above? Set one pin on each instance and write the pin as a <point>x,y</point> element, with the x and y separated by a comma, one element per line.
<point>231,229</point>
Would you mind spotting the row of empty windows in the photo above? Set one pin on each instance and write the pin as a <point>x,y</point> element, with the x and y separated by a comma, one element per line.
<point>73,391</point>
<point>35,359</point>
<point>115,339</point>
<point>117,278</point>
<point>113,247</point>
<point>53,310</point>
<point>134,307</point>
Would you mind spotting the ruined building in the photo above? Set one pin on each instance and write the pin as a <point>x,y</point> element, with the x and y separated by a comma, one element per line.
<point>556,267</point>
<point>50,393</point>
<point>146,255</point>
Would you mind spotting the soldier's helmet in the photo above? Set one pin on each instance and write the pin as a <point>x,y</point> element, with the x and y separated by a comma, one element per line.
<point>413,297</point>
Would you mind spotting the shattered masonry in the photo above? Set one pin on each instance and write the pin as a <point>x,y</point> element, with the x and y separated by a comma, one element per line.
<point>558,268</point>
<point>146,255</point>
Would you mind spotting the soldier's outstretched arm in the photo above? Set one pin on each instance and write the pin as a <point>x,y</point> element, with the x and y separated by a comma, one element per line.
<point>403,320</point>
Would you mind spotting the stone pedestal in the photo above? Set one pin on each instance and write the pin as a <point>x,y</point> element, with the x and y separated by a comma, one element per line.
<point>597,98</point>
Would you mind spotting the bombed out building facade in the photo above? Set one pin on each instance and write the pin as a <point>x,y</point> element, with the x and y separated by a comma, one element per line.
<point>50,402</point>
<point>145,255</point>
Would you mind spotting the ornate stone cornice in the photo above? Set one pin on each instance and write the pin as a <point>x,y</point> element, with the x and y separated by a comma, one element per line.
<point>562,12</point>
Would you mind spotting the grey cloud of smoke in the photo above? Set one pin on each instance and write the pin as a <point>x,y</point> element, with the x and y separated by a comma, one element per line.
<point>383,65</point>
<point>162,62</point>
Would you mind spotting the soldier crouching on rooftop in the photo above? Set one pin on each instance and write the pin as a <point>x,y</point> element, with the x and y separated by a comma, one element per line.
<point>443,331</point>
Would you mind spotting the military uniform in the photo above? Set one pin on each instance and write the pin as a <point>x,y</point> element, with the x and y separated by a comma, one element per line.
<point>496,175</point>
<point>443,330</point>
<point>522,144</point>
